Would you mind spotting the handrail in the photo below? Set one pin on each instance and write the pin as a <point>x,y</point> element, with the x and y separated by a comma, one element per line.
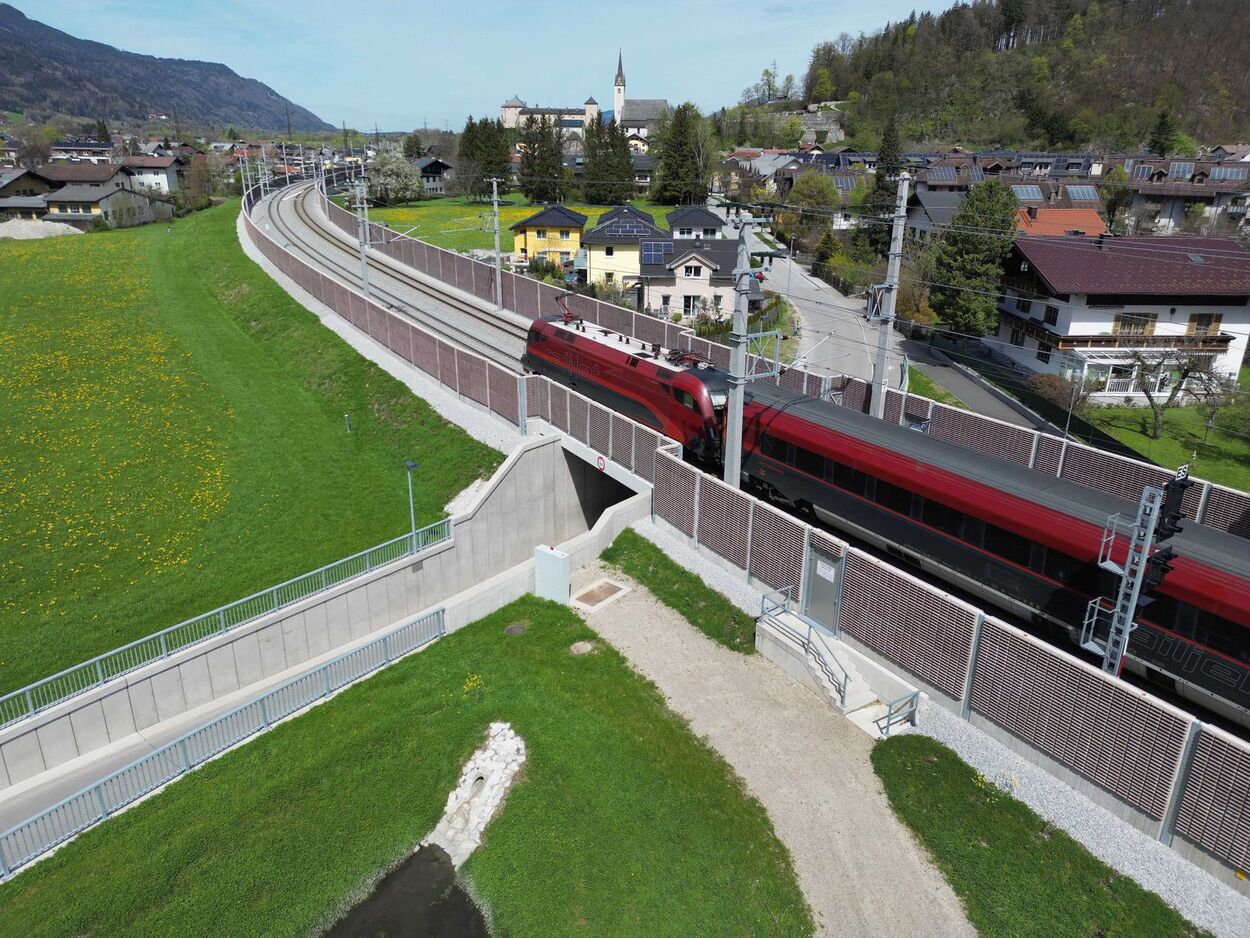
<point>31,699</point>
<point>66,819</point>
<point>900,710</point>
<point>770,603</point>
<point>824,654</point>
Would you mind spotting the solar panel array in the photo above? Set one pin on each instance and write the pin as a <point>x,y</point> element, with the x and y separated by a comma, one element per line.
<point>845,183</point>
<point>1142,172</point>
<point>941,174</point>
<point>1082,193</point>
<point>1231,173</point>
<point>1028,193</point>
<point>626,227</point>
<point>1181,170</point>
<point>976,174</point>
<point>653,251</point>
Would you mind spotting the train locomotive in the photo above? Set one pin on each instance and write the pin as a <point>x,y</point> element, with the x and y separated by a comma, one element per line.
<point>1021,540</point>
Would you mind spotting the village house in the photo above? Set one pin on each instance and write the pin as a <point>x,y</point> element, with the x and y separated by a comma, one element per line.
<point>82,151</point>
<point>85,205</point>
<point>690,277</point>
<point>434,174</point>
<point>154,173</point>
<point>554,233</point>
<point>611,247</point>
<point>1088,307</point>
<point>695,221</point>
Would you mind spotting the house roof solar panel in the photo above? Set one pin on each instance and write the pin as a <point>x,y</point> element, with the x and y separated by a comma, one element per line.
<point>1142,171</point>
<point>941,173</point>
<point>1028,193</point>
<point>1083,193</point>
<point>976,174</point>
<point>1230,173</point>
<point>1183,169</point>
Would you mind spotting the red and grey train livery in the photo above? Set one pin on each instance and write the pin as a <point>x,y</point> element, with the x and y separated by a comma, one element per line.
<point>1020,539</point>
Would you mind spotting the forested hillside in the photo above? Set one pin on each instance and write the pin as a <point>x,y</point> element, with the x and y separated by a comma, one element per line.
<point>1045,73</point>
<point>46,73</point>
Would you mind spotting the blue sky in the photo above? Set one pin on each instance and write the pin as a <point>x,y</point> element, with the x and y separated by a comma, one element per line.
<point>401,64</point>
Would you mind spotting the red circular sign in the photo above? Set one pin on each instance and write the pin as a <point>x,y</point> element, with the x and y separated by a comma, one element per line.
<point>599,461</point>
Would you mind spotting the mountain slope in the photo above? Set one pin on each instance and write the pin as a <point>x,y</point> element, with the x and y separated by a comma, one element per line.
<point>1049,73</point>
<point>44,71</point>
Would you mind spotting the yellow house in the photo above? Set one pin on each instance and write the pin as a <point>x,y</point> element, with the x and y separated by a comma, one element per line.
<point>554,233</point>
<point>612,245</point>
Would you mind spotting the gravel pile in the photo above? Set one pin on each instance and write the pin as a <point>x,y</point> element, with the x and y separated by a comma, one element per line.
<point>23,229</point>
<point>1196,894</point>
<point>732,587</point>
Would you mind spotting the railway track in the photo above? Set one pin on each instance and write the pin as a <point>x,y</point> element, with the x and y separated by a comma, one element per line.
<point>448,317</point>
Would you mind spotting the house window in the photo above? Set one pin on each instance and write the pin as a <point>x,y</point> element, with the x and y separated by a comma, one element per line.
<point>564,257</point>
<point>1017,337</point>
<point>689,304</point>
<point>564,234</point>
<point>709,232</point>
<point>664,298</point>
<point>694,270</point>
<point>1043,352</point>
<point>609,277</point>
<point>685,232</point>
<point>716,302</point>
<point>609,251</point>
<point>1135,324</point>
<point>540,233</point>
<point>1204,324</point>
<point>524,251</point>
<point>1052,315</point>
<point>1023,305</point>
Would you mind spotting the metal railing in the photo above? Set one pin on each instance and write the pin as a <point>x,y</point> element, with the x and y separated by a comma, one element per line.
<point>24,703</point>
<point>775,601</point>
<point>820,652</point>
<point>32,838</point>
<point>900,710</point>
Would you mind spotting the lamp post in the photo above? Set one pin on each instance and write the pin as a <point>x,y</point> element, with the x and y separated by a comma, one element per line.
<point>412,511</point>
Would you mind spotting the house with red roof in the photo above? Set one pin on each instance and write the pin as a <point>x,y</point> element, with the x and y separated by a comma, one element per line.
<point>1090,306</point>
<point>1042,222</point>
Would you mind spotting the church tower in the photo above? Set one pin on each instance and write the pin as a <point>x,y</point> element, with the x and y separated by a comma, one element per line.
<point>618,101</point>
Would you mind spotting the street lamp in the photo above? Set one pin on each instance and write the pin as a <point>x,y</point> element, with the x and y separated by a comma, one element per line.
<point>412,511</point>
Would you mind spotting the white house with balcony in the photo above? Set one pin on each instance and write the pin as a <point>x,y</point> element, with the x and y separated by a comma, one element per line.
<point>691,277</point>
<point>157,174</point>
<point>1089,307</point>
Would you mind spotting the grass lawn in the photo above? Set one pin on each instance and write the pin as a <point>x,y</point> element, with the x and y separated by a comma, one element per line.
<point>173,439</point>
<point>1017,874</point>
<point>620,823</point>
<point>1224,459</point>
<point>920,383</point>
<point>700,605</point>
<point>440,219</point>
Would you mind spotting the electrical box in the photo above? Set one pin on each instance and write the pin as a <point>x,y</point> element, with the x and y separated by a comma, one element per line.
<point>552,571</point>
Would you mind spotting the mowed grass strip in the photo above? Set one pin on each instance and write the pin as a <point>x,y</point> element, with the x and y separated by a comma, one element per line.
<point>173,439</point>
<point>679,589</point>
<point>456,223</point>
<point>621,822</point>
<point>1017,874</point>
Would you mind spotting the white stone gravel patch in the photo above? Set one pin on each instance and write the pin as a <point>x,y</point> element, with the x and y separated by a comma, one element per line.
<point>479,424</point>
<point>1193,892</point>
<point>23,229</point>
<point>734,588</point>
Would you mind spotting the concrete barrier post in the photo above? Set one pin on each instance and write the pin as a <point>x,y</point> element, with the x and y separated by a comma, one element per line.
<point>1168,824</point>
<point>966,708</point>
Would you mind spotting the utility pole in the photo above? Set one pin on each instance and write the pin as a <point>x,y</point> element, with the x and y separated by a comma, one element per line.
<point>494,199</point>
<point>288,124</point>
<point>889,296</point>
<point>743,274</point>
<point>362,231</point>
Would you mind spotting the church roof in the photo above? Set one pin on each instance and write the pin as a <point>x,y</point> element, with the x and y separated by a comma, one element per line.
<point>514,101</point>
<point>592,101</point>
<point>643,110</point>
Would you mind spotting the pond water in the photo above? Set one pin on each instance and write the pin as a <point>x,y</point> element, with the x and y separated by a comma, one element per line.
<point>421,898</point>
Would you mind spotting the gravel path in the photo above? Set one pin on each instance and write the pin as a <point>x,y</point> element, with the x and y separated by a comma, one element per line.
<point>859,868</point>
<point>1196,894</point>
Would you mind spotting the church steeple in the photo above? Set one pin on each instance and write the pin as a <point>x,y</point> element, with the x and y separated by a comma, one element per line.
<point>620,70</point>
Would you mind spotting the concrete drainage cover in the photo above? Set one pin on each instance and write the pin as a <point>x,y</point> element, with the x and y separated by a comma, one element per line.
<point>516,628</point>
<point>599,594</point>
<point>582,648</point>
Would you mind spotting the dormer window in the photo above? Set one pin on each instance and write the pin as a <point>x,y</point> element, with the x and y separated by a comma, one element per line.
<point>694,270</point>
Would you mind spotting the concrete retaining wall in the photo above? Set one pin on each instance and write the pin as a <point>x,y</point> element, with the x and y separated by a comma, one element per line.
<point>540,495</point>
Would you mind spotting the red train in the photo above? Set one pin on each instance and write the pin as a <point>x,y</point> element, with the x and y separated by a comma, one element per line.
<point>1022,540</point>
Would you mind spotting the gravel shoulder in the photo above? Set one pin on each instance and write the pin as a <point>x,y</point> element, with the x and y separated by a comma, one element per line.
<point>861,871</point>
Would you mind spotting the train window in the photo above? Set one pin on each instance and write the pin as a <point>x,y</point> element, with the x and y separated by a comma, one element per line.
<point>1072,573</point>
<point>1006,544</point>
<point>854,481</point>
<point>1221,635</point>
<point>685,399</point>
<point>893,497</point>
<point>809,462</point>
<point>768,445</point>
<point>945,519</point>
<point>533,336</point>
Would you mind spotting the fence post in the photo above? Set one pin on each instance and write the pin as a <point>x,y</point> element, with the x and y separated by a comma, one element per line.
<point>804,572</point>
<point>221,616</point>
<point>966,710</point>
<point>99,671</point>
<point>522,404</point>
<point>1178,785</point>
<point>164,647</point>
<point>840,574</point>
<point>386,649</point>
<point>275,600</point>
<point>99,800</point>
<point>264,712</point>
<point>4,866</point>
<point>750,535</point>
<point>30,704</point>
<point>694,516</point>
<point>186,755</point>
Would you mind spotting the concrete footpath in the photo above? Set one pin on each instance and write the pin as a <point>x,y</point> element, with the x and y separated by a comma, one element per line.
<point>861,871</point>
